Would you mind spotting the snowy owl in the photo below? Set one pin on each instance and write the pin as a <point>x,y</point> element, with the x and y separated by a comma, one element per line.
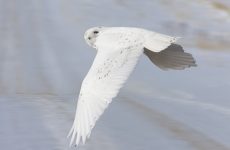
<point>118,50</point>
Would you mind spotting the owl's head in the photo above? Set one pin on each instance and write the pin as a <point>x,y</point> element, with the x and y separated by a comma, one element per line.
<point>91,35</point>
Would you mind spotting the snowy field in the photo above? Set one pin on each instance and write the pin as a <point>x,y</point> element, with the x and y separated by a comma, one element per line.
<point>43,59</point>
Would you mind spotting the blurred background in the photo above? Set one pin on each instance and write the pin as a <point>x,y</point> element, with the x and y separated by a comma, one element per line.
<point>44,58</point>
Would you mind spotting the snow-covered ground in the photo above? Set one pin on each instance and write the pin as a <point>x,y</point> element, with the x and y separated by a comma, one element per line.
<point>43,59</point>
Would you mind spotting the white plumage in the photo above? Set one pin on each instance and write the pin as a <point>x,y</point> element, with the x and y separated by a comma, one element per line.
<point>118,50</point>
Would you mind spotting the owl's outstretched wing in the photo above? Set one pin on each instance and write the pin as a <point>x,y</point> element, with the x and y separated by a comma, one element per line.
<point>173,57</point>
<point>110,69</point>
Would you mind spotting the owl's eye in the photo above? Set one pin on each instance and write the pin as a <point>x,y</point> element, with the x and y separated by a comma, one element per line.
<point>89,38</point>
<point>95,32</point>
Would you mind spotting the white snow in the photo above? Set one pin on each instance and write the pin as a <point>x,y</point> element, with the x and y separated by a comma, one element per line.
<point>43,59</point>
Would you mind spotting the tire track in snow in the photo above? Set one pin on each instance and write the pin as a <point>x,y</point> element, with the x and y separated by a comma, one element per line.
<point>3,46</point>
<point>20,48</point>
<point>10,66</point>
<point>207,106</point>
<point>194,138</point>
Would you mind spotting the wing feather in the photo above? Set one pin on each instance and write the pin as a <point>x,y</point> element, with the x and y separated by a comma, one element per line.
<point>106,76</point>
<point>157,42</point>
<point>172,57</point>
